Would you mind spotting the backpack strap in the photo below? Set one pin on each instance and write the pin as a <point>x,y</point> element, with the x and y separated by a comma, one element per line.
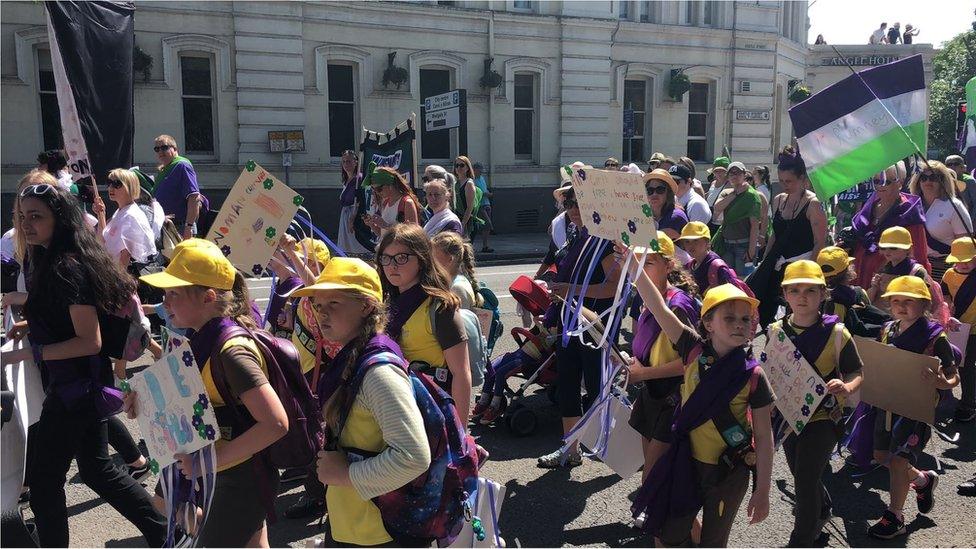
<point>356,382</point>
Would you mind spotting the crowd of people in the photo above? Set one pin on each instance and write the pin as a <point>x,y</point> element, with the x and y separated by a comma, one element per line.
<point>382,341</point>
<point>889,35</point>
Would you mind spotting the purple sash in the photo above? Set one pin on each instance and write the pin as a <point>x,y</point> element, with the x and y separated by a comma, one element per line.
<point>671,487</point>
<point>812,340</point>
<point>332,377</point>
<point>402,307</point>
<point>203,340</point>
<point>964,296</point>
<point>648,329</point>
<point>906,213</point>
<point>904,268</point>
<point>915,338</point>
<point>844,295</point>
<point>701,272</point>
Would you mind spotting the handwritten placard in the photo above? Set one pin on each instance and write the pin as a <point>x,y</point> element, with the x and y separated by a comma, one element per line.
<point>254,216</point>
<point>614,206</point>
<point>175,414</point>
<point>798,387</point>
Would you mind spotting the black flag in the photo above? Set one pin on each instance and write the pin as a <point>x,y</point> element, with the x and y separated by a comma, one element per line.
<point>91,51</point>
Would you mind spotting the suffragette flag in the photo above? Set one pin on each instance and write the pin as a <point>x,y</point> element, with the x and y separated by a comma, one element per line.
<point>967,141</point>
<point>862,124</point>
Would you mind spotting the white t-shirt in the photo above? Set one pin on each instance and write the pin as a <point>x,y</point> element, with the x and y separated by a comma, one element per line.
<point>129,230</point>
<point>695,207</point>
<point>876,36</point>
<point>712,198</point>
<point>943,223</point>
<point>7,243</point>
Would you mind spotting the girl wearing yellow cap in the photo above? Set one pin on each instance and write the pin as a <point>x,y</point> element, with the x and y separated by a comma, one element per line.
<point>713,444</point>
<point>369,409</point>
<point>896,245</point>
<point>205,293</point>
<point>850,303</point>
<point>827,346</point>
<point>899,441</point>
<point>959,284</point>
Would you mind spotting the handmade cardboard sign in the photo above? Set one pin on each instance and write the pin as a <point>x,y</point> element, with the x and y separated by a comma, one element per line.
<point>614,206</point>
<point>798,387</point>
<point>893,380</point>
<point>254,216</point>
<point>174,412</point>
<point>960,338</point>
<point>624,453</point>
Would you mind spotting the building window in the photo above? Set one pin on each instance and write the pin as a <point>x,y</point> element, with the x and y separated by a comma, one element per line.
<point>635,121</point>
<point>525,115</point>
<point>699,121</point>
<point>434,144</point>
<point>709,16</point>
<point>451,3</point>
<point>342,109</point>
<point>198,105</point>
<point>691,12</point>
<point>650,12</point>
<point>523,5</point>
<point>50,114</point>
<point>624,9</point>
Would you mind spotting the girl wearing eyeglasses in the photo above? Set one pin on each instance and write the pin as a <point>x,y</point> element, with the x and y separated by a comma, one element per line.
<point>72,279</point>
<point>424,314</point>
<point>946,217</point>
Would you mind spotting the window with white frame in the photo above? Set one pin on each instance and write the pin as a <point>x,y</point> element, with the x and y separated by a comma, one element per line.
<point>198,105</point>
<point>526,116</point>
<point>700,119</point>
<point>50,114</point>
<point>342,108</point>
<point>624,9</point>
<point>523,5</point>
<point>650,11</point>
<point>635,121</point>
<point>436,144</point>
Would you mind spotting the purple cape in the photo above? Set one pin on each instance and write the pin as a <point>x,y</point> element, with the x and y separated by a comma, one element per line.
<point>906,213</point>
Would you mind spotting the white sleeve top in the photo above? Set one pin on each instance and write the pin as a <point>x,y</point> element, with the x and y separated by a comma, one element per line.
<point>943,222</point>
<point>129,229</point>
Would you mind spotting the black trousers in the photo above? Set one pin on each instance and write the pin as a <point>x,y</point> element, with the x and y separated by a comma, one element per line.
<point>575,363</point>
<point>808,455</point>
<point>967,376</point>
<point>121,440</point>
<point>61,435</point>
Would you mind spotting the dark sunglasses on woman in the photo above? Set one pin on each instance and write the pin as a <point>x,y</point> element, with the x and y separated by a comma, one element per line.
<point>658,189</point>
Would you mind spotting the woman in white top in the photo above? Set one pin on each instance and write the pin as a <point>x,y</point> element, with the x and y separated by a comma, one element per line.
<point>128,236</point>
<point>946,217</point>
<point>439,201</point>
<point>393,200</point>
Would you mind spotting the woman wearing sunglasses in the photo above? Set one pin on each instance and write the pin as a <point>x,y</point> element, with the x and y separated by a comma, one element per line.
<point>72,279</point>
<point>467,198</point>
<point>393,200</point>
<point>946,217</point>
<point>888,207</point>
<point>425,316</point>
<point>127,235</point>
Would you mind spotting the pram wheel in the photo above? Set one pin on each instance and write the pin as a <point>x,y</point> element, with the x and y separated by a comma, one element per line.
<point>521,421</point>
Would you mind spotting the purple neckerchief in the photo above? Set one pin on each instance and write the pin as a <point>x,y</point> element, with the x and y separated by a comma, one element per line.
<point>904,268</point>
<point>915,338</point>
<point>674,219</point>
<point>279,297</point>
<point>648,329</point>
<point>701,271</point>
<point>331,377</point>
<point>567,259</point>
<point>203,340</point>
<point>669,490</point>
<point>843,295</point>
<point>402,307</point>
<point>812,340</point>
<point>906,213</point>
<point>348,195</point>
<point>964,296</point>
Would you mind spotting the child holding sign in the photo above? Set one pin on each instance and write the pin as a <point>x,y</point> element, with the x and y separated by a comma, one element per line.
<point>899,441</point>
<point>960,284</point>
<point>827,346</point>
<point>895,245</point>
<point>206,294</point>
<point>712,449</point>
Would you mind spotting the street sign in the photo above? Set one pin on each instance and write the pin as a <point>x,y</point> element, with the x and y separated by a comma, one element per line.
<point>443,101</point>
<point>741,114</point>
<point>444,111</point>
<point>290,140</point>
<point>439,120</point>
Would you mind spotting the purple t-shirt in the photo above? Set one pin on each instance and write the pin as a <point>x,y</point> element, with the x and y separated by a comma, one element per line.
<point>172,192</point>
<point>676,220</point>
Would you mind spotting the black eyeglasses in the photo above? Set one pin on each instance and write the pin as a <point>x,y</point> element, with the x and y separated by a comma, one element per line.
<point>399,259</point>
<point>736,171</point>
<point>610,165</point>
<point>161,148</point>
<point>461,165</point>
<point>37,190</point>
<point>115,184</point>
<point>656,189</point>
<point>935,178</point>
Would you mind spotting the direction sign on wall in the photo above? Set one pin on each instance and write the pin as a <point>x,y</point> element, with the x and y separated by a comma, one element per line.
<point>445,111</point>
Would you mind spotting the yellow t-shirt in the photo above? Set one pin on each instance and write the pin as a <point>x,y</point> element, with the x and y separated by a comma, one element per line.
<point>954,280</point>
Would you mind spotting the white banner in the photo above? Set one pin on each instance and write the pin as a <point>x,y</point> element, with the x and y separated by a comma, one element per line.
<point>74,141</point>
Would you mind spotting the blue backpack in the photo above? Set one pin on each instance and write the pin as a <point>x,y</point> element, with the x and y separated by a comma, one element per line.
<point>491,304</point>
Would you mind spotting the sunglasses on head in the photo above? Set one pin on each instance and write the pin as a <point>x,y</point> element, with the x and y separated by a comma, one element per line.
<point>37,190</point>
<point>161,148</point>
<point>399,259</point>
<point>656,189</point>
<point>115,183</point>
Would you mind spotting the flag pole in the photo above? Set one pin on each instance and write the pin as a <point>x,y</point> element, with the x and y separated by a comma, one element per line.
<point>918,151</point>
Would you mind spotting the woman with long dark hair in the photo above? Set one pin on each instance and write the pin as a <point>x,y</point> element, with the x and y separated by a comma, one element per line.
<point>354,236</point>
<point>72,280</point>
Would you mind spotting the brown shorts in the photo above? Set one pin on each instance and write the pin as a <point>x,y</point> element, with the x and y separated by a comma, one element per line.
<point>652,417</point>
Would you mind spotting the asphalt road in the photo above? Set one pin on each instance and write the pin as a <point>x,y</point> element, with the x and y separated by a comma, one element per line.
<point>589,505</point>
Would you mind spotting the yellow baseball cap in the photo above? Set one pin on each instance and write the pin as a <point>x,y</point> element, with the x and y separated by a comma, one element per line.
<point>833,260</point>
<point>189,243</point>
<point>665,246</point>
<point>313,247</point>
<point>896,237</point>
<point>803,271</point>
<point>661,175</point>
<point>726,292</point>
<point>694,230</point>
<point>196,262</point>
<point>908,286</point>
<point>963,249</point>
<point>345,273</point>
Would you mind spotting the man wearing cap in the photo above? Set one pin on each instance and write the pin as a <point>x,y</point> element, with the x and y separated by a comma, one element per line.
<point>719,173</point>
<point>693,203</point>
<point>965,183</point>
<point>654,162</point>
<point>740,207</point>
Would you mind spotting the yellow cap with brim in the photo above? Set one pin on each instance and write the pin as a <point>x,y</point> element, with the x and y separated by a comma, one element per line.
<point>833,260</point>
<point>694,230</point>
<point>312,247</point>
<point>346,273</point>
<point>196,262</point>
<point>665,246</point>
<point>908,286</point>
<point>895,237</point>
<point>189,243</point>
<point>661,175</point>
<point>803,271</point>
<point>963,249</point>
<point>726,292</point>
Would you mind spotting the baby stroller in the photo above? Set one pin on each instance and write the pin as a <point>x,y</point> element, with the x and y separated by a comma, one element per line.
<point>534,360</point>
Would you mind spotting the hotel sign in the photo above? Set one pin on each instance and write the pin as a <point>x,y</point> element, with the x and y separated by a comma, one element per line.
<point>859,60</point>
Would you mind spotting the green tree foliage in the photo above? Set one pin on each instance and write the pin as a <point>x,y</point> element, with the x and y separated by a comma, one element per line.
<point>953,66</point>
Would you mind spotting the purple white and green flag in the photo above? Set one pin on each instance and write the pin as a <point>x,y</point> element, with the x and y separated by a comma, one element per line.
<point>862,124</point>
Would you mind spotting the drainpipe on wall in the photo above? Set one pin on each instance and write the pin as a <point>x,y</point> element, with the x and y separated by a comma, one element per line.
<point>732,46</point>
<point>491,98</point>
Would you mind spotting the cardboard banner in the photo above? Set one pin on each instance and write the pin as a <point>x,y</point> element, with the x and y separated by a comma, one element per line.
<point>960,338</point>
<point>893,380</point>
<point>255,214</point>
<point>798,387</point>
<point>394,149</point>
<point>614,206</point>
<point>625,453</point>
<point>175,413</point>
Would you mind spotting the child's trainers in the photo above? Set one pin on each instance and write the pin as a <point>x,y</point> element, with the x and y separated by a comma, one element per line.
<point>491,414</point>
<point>890,526</point>
<point>925,495</point>
<point>480,407</point>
